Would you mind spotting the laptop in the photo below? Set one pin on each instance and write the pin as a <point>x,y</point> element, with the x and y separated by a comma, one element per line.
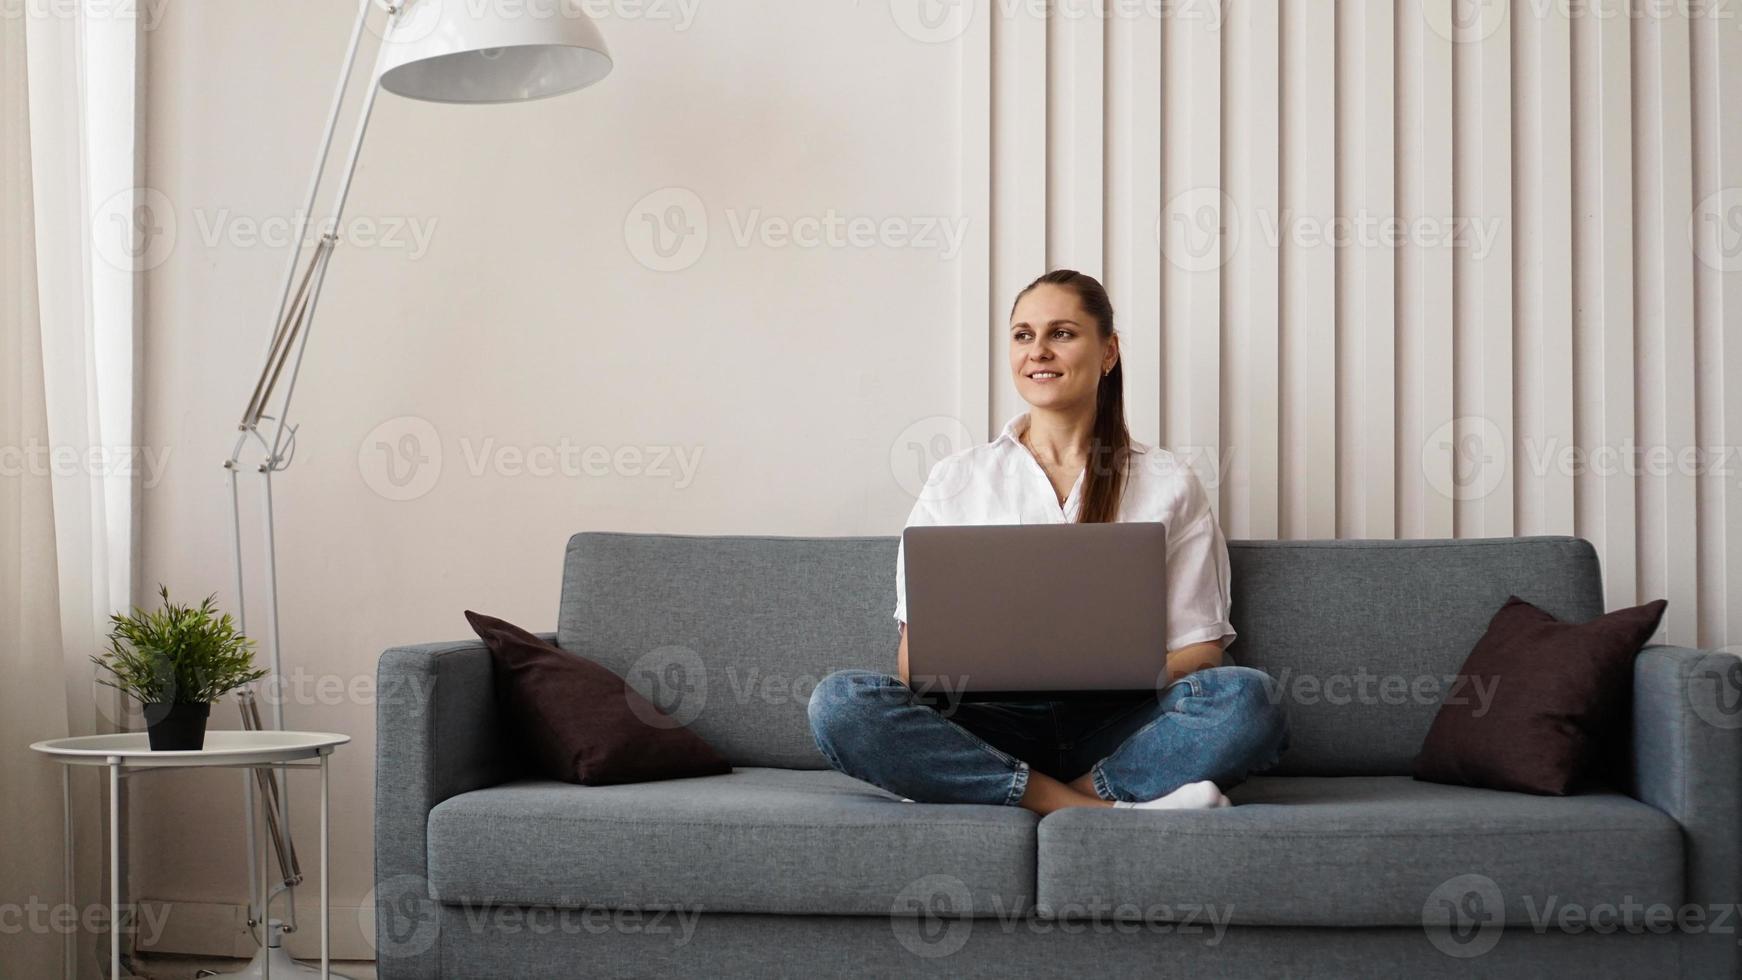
<point>999,612</point>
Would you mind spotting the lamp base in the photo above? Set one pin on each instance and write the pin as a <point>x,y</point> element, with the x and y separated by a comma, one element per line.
<point>282,967</point>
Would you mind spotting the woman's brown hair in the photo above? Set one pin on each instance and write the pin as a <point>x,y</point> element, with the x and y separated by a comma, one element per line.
<point>1104,474</point>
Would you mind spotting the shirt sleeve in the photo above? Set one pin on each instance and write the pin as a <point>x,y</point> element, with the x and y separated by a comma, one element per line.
<point>1199,597</point>
<point>924,514</point>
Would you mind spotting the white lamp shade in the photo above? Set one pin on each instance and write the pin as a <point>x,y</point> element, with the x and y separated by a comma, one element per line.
<point>470,52</point>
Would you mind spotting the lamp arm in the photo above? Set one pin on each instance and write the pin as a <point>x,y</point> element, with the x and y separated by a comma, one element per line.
<point>292,261</point>
<point>296,316</point>
<point>319,262</point>
<point>291,331</point>
<point>288,325</point>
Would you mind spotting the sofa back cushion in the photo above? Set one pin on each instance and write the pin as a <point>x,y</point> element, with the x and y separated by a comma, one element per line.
<point>730,634</point>
<point>1365,637</point>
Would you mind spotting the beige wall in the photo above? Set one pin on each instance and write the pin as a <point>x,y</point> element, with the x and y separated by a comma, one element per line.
<point>1363,390</point>
<point>791,372</point>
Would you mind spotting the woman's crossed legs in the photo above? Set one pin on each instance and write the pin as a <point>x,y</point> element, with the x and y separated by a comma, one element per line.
<point>1218,725</point>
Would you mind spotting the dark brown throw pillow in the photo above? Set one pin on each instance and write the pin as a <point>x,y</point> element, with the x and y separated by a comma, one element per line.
<point>1537,700</point>
<point>581,723</point>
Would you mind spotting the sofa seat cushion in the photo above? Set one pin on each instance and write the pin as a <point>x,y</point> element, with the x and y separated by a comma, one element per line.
<point>1361,851</point>
<point>754,840</point>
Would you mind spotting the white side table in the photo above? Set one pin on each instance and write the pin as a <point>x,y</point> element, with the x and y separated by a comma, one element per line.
<point>129,754</point>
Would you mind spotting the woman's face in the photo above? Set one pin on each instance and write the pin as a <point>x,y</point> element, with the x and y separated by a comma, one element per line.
<point>1056,352</point>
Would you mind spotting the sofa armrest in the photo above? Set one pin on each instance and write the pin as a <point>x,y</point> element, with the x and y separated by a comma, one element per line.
<point>436,737</point>
<point>1687,762</point>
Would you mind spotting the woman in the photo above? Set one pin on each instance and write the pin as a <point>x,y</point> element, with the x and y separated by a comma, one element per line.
<point>1069,459</point>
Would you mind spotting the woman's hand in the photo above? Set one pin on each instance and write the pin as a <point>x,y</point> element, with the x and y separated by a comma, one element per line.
<point>901,657</point>
<point>1179,663</point>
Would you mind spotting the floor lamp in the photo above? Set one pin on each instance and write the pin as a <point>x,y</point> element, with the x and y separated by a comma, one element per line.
<point>434,51</point>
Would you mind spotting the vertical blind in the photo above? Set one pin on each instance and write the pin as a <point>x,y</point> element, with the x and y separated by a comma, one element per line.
<point>1424,268</point>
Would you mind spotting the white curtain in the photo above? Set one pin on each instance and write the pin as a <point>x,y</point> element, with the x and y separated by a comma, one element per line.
<point>93,235</point>
<point>68,501</point>
<point>32,702</point>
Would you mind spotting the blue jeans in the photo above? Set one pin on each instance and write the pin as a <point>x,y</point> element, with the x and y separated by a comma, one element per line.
<point>1220,723</point>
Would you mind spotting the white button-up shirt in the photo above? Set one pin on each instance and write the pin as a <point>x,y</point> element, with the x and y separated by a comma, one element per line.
<point>1002,483</point>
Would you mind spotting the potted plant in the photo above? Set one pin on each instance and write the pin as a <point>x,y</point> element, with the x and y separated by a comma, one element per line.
<point>175,662</point>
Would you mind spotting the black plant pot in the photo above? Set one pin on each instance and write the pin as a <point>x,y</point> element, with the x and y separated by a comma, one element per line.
<point>177,727</point>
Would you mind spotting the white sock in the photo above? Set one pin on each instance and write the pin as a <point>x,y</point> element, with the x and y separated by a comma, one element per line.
<point>1201,795</point>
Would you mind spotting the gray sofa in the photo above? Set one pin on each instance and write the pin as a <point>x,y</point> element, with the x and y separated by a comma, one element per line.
<point>1336,863</point>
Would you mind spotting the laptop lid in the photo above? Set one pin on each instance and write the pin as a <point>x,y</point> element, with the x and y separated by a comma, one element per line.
<point>1036,611</point>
